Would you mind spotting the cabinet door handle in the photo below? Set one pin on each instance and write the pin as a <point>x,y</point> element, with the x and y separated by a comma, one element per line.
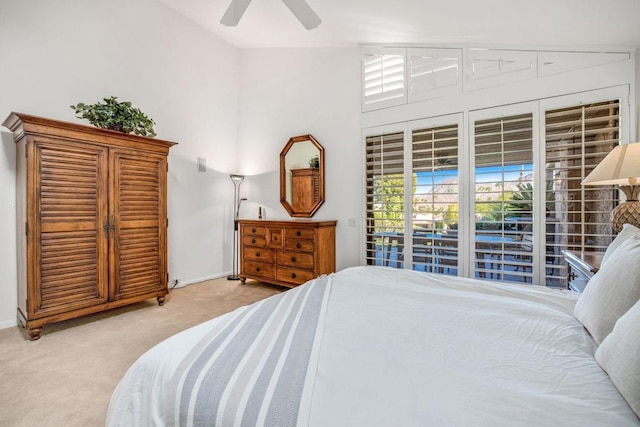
<point>298,245</point>
<point>112,227</point>
<point>293,259</point>
<point>298,233</point>
<point>105,226</point>
<point>293,275</point>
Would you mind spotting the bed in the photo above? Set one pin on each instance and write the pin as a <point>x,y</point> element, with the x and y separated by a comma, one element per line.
<point>377,346</point>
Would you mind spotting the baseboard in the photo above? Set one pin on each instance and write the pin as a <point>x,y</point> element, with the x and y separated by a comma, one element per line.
<point>182,284</point>
<point>8,324</point>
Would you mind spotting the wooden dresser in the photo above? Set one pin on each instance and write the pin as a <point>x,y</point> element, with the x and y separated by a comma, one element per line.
<point>286,253</point>
<point>92,219</point>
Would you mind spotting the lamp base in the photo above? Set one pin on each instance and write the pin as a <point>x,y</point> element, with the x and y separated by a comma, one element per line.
<point>626,213</point>
<point>233,277</point>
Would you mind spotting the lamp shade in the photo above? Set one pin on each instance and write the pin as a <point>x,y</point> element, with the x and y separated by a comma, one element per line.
<point>237,179</point>
<point>620,167</point>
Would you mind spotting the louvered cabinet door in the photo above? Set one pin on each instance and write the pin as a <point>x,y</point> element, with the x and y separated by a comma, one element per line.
<point>67,244</point>
<point>138,216</point>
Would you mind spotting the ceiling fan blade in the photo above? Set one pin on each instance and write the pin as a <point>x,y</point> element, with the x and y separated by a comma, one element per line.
<point>234,12</point>
<point>304,13</point>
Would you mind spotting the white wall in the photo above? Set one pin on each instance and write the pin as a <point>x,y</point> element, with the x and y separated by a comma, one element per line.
<point>55,54</point>
<point>290,92</point>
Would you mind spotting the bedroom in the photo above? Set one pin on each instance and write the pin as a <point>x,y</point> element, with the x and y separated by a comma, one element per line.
<point>215,106</point>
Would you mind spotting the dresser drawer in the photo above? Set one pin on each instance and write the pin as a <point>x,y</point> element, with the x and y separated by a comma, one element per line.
<point>258,254</point>
<point>295,259</point>
<point>299,245</point>
<point>293,275</point>
<point>258,269</point>
<point>257,241</point>
<point>299,233</point>
<point>274,238</point>
<point>253,230</point>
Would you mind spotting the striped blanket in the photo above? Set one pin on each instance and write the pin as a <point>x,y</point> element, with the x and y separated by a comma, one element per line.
<point>378,346</point>
<point>255,368</point>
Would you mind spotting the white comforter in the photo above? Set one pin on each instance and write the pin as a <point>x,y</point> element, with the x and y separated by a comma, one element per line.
<point>402,348</point>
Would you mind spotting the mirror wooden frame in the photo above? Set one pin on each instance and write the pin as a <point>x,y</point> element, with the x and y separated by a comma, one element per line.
<point>283,177</point>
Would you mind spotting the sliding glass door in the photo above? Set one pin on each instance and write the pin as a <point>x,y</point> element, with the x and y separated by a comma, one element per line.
<point>385,198</point>
<point>503,196</point>
<point>495,193</point>
<point>435,195</point>
<point>577,218</point>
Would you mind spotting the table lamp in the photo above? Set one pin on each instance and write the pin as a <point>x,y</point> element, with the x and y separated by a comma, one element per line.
<point>621,167</point>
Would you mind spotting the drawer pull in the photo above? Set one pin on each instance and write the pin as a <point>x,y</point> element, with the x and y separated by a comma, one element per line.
<point>298,245</point>
<point>298,233</point>
<point>253,240</point>
<point>293,275</point>
<point>253,230</point>
<point>258,269</point>
<point>293,259</point>
<point>257,253</point>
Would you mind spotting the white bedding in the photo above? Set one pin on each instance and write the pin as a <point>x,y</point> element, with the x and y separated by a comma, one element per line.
<point>403,348</point>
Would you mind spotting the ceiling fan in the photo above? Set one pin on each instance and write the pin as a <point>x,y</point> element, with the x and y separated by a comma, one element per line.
<point>299,8</point>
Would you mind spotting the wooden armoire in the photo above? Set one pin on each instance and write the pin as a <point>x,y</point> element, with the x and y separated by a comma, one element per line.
<point>305,189</point>
<point>92,219</point>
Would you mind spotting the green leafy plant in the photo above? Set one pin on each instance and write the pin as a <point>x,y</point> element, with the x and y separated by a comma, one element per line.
<point>114,115</point>
<point>314,162</point>
<point>521,204</point>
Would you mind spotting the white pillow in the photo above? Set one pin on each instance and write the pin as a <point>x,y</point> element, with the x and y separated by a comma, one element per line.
<point>627,231</point>
<point>612,291</point>
<point>619,356</point>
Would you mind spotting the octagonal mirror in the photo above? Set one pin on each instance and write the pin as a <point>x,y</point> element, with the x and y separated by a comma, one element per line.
<point>302,176</point>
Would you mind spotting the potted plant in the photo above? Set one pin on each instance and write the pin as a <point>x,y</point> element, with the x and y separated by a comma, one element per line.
<point>118,116</point>
<point>314,162</point>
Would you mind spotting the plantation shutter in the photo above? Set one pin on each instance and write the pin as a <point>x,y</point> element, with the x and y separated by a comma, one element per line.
<point>385,199</point>
<point>435,199</point>
<point>503,242</point>
<point>383,78</point>
<point>433,73</point>
<point>578,218</point>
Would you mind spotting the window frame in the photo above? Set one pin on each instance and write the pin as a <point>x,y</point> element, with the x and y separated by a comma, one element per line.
<point>391,102</point>
<point>456,119</point>
<point>496,113</point>
<point>466,154</point>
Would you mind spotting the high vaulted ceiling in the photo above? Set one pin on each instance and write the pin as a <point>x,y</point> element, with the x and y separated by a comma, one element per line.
<point>534,23</point>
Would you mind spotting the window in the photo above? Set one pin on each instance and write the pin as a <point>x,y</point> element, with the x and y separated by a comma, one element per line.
<point>383,79</point>
<point>385,199</point>
<point>435,199</point>
<point>507,216</point>
<point>504,198</point>
<point>577,217</point>
<point>433,73</point>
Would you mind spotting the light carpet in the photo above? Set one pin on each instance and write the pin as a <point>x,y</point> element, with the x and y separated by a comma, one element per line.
<point>66,377</point>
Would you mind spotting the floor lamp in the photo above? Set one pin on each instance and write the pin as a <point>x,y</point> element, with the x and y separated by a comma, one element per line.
<point>237,180</point>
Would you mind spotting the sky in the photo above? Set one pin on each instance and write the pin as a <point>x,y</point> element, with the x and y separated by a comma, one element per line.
<point>425,180</point>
